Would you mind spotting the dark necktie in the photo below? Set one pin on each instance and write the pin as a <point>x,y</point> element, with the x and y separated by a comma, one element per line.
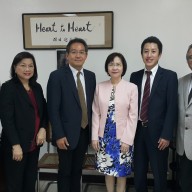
<point>190,95</point>
<point>84,120</point>
<point>145,101</point>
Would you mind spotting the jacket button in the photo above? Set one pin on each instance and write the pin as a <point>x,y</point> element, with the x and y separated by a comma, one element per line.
<point>186,115</point>
<point>186,128</point>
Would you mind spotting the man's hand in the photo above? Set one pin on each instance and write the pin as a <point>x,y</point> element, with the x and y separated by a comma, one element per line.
<point>163,143</point>
<point>62,143</point>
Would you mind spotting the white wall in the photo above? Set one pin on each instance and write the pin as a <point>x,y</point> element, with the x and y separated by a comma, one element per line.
<point>134,20</point>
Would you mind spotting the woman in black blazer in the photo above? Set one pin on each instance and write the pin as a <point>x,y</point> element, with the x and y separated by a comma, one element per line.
<point>24,120</point>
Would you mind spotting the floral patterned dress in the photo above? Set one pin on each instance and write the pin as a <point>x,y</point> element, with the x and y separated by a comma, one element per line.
<point>109,159</point>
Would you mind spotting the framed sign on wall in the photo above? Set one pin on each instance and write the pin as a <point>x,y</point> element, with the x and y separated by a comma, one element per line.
<point>54,30</point>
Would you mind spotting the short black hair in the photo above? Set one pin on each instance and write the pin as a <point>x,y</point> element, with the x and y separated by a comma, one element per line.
<point>190,47</point>
<point>17,59</point>
<point>111,57</point>
<point>76,40</point>
<point>152,39</point>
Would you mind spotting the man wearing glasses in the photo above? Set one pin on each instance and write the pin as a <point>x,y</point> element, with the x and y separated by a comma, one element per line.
<point>70,92</point>
<point>184,129</point>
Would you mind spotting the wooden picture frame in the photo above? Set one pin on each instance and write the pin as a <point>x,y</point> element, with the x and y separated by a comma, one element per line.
<point>61,58</point>
<point>55,30</point>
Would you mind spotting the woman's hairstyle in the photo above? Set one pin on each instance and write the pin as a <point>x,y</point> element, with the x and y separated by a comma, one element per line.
<point>110,59</point>
<point>18,58</point>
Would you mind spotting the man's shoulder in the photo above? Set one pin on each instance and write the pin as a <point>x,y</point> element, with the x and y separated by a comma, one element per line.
<point>88,72</point>
<point>137,72</point>
<point>136,75</point>
<point>185,77</point>
<point>167,71</point>
<point>59,71</point>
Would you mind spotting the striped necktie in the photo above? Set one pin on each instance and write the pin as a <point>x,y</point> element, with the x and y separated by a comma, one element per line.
<point>145,101</point>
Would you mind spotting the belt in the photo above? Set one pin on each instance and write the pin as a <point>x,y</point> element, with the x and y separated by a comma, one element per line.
<point>143,124</point>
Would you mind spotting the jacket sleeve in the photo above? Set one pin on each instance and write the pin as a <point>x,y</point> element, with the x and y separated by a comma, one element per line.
<point>95,115</point>
<point>53,105</point>
<point>7,113</point>
<point>44,118</point>
<point>171,115</point>
<point>132,118</point>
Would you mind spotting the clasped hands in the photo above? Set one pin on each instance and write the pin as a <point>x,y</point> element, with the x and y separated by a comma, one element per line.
<point>124,146</point>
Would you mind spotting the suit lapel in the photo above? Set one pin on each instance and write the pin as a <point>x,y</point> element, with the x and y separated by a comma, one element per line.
<point>37,97</point>
<point>156,81</point>
<point>71,83</point>
<point>87,88</point>
<point>23,93</point>
<point>186,86</point>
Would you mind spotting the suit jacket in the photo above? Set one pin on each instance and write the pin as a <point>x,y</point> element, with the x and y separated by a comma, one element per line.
<point>184,129</point>
<point>162,109</point>
<point>64,106</point>
<point>18,115</point>
<point>126,101</point>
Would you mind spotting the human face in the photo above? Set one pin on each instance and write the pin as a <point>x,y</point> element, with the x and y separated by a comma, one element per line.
<point>25,69</point>
<point>76,56</point>
<point>189,58</point>
<point>115,69</point>
<point>150,55</point>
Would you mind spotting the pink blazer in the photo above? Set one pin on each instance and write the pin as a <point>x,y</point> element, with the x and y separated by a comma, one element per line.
<point>126,110</point>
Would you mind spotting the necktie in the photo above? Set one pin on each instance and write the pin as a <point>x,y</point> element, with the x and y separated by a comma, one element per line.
<point>84,120</point>
<point>190,95</point>
<point>145,101</point>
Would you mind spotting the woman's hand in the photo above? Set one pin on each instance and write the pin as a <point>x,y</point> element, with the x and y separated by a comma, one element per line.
<point>17,152</point>
<point>41,136</point>
<point>124,147</point>
<point>95,145</point>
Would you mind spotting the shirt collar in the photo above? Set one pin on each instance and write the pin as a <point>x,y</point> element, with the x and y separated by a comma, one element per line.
<point>153,70</point>
<point>75,71</point>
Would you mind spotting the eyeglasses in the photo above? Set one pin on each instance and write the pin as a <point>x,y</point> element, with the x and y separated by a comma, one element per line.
<point>75,52</point>
<point>189,58</point>
<point>24,67</point>
<point>118,65</point>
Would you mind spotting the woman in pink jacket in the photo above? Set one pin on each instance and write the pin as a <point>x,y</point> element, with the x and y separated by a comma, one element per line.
<point>114,121</point>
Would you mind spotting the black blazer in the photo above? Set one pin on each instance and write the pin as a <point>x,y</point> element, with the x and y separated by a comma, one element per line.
<point>64,106</point>
<point>18,115</point>
<point>162,112</point>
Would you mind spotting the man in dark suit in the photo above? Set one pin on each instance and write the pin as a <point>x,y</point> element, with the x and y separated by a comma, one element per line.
<point>70,132</point>
<point>155,125</point>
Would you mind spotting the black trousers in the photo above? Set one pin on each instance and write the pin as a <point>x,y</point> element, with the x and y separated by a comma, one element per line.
<point>185,173</point>
<point>145,153</point>
<point>21,175</point>
<point>70,164</point>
